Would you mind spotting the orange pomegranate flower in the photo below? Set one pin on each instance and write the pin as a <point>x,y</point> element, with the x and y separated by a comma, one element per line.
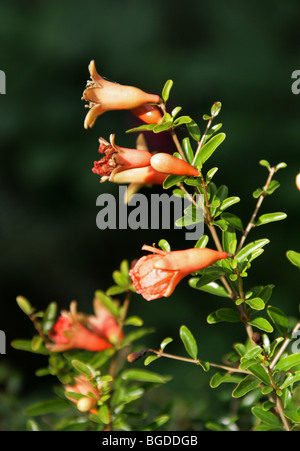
<point>118,159</point>
<point>75,330</point>
<point>83,387</point>
<point>298,181</point>
<point>157,274</point>
<point>103,95</point>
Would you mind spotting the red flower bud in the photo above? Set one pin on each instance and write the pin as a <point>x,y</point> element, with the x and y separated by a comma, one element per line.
<point>103,95</point>
<point>148,113</point>
<point>157,274</point>
<point>140,176</point>
<point>83,387</point>
<point>167,164</point>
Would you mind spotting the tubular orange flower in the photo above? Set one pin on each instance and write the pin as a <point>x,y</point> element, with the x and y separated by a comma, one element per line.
<point>75,330</point>
<point>157,274</point>
<point>148,113</point>
<point>167,164</point>
<point>140,175</point>
<point>298,181</point>
<point>83,387</point>
<point>118,159</point>
<point>103,95</point>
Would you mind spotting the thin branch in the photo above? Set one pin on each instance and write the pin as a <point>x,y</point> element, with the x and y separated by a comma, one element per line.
<point>257,207</point>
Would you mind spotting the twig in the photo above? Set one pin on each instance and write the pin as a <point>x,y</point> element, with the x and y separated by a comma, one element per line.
<point>257,207</point>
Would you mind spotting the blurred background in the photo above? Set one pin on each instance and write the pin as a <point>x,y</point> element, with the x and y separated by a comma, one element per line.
<point>239,53</point>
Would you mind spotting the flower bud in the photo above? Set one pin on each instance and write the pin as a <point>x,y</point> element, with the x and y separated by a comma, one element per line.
<point>167,164</point>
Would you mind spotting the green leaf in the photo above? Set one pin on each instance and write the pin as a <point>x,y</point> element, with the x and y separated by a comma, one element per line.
<point>215,109</point>
<point>83,368</point>
<point>265,163</point>
<point>103,414</point>
<point>224,314</point>
<point>290,379</point>
<point>120,279</point>
<point>220,378</point>
<point>261,323</point>
<point>182,120</point>
<point>26,345</point>
<point>233,220</point>
<point>287,362</point>
<point>108,302</point>
<point>274,184</point>
<point>194,130</point>
<point>260,372</point>
<point>187,149</point>
<point>229,240</point>
<point>163,127</point>
<point>209,148</point>
<point>165,342</point>
<point>24,305</point>
<point>172,180</point>
<point>281,166</point>
<point>141,128</point>
<point>258,192</point>
<point>246,251</point>
<point>32,425</point>
<point>175,111</point>
<point>270,217</point>
<point>294,257</point>
<point>256,303</point>
<point>144,376</point>
<point>166,90</point>
<point>202,242</point>
<point>212,288</point>
<point>150,359</point>
<point>133,321</point>
<point>45,407</point>
<point>266,417</point>
<point>164,245</point>
<point>293,415</point>
<point>210,174</point>
<point>228,202</point>
<point>189,342</point>
<point>49,317</point>
<point>246,385</point>
<point>279,319</point>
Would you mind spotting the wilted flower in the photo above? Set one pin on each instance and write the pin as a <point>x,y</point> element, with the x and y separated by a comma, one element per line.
<point>118,159</point>
<point>75,330</point>
<point>157,274</point>
<point>103,95</point>
<point>83,387</point>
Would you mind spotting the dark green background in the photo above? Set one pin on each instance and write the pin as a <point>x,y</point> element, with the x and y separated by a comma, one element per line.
<point>240,53</point>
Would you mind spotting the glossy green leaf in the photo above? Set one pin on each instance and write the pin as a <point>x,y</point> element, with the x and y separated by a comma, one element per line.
<point>108,302</point>
<point>166,90</point>
<point>83,368</point>
<point>188,150</point>
<point>163,127</point>
<point>194,130</point>
<point>209,148</point>
<point>223,314</point>
<point>281,166</point>
<point>202,242</point>
<point>265,163</point>
<point>274,184</point>
<point>260,372</point>
<point>261,323</point>
<point>48,406</point>
<point>215,109</point>
<point>175,111</point>
<point>288,362</point>
<point>212,288</point>
<point>233,220</point>
<point>270,217</point>
<point>150,359</point>
<point>279,319</point>
<point>229,240</point>
<point>172,180</point>
<point>182,120</point>
<point>226,203</point>
<point>103,414</point>
<point>290,379</point>
<point>164,245</point>
<point>144,376</point>
<point>294,258</point>
<point>220,378</point>
<point>49,317</point>
<point>189,342</point>
<point>210,174</point>
<point>256,303</point>
<point>246,251</point>
<point>246,385</point>
<point>165,342</point>
<point>133,321</point>
<point>141,128</point>
<point>24,305</point>
<point>266,416</point>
